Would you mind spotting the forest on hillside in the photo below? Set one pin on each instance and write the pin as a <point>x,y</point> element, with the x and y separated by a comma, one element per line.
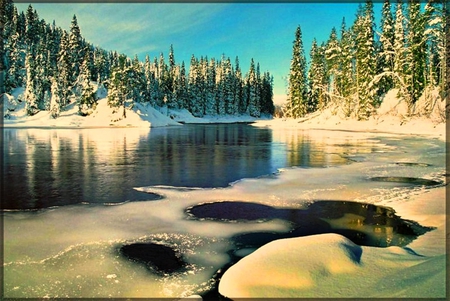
<point>58,67</point>
<point>356,67</point>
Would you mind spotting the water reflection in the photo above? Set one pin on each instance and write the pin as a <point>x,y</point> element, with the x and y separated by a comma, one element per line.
<point>55,167</point>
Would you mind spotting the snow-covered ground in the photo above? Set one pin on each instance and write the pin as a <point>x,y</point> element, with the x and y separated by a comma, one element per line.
<point>137,115</point>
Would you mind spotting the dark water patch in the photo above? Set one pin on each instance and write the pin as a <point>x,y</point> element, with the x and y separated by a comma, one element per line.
<point>412,164</point>
<point>231,211</point>
<point>407,180</point>
<point>159,258</point>
<point>364,224</point>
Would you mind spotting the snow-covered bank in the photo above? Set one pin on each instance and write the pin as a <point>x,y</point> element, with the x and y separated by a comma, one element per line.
<point>391,117</point>
<point>137,115</point>
<point>329,265</point>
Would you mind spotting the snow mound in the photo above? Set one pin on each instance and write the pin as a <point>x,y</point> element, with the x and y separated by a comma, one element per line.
<point>331,266</point>
<point>290,264</point>
<point>392,105</point>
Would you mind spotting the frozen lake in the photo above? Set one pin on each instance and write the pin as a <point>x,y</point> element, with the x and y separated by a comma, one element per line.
<point>71,247</point>
<point>64,167</point>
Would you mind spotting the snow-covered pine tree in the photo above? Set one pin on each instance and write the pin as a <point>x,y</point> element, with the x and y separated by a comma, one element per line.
<point>42,75</point>
<point>136,80</point>
<point>176,93</point>
<point>332,56</point>
<point>32,105</point>
<point>14,74</point>
<point>164,82</point>
<point>119,88</point>
<point>8,10</point>
<point>253,97</point>
<point>317,79</point>
<point>267,106</point>
<point>297,89</point>
<point>101,65</point>
<point>238,88</point>
<point>55,101</point>
<point>146,93</point>
<point>31,28</point>
<point>75,49</point>
<point>227,87</point>
<point>416,50</point>
<point>346,80</point>
<point>182,97</point>
<point>195,106</point>
<point>399,52</point>
<point>210,105</point>
<point>64,69</point>
<point>201,83</point>
<point>220,83</point>
<point>87,99</point>
<point>386,52</point>
<point>435,37</point>
<point>365,63</point>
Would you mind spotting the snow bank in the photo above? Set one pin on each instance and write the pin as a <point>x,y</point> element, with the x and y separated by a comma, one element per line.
<point>137,115</point>
<point>290,264</point>
<point>392,116</point>
<point>330,265</point>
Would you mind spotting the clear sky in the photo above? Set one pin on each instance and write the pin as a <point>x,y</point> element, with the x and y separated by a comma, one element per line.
<point>262,31</point>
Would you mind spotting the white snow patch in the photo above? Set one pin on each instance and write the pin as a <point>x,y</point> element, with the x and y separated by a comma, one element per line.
<point>137,115</point>
<point>330,265</point>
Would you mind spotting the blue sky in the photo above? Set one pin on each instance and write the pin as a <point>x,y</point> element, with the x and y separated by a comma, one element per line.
<point>262,31</point>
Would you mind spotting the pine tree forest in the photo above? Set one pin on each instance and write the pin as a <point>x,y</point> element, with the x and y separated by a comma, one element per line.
<point>58,67</point>
<point>356,67</point>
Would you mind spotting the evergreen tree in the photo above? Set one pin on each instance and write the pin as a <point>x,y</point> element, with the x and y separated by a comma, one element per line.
<point>435,40</point>
<point>31,28</point>
<point>332,57</point>
<point>75,49</point>
<point>267,106</point>
<point>119,85</point>
<point>210,106</point>
<point>14,76</point>
<point>346,79</point>
<point>317,79</point>
<point>399,51</point>
<point>64,69</point>
<point>196,107</point>
<point>253,97</point>
<point>55,101</point>
<point>227,86</point>
<point>137,80</point>
<point>386,53</point>
<point>415,51</point>
<point>87,99</point>
<point>182,96</point>
<point>297,90</point>
<point>238,89</point>
<point>32,106</point>
<point>365,63</point>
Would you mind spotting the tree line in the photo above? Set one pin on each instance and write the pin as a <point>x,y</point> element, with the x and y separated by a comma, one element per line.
<point>353,71</point>
<point>58,67</point>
